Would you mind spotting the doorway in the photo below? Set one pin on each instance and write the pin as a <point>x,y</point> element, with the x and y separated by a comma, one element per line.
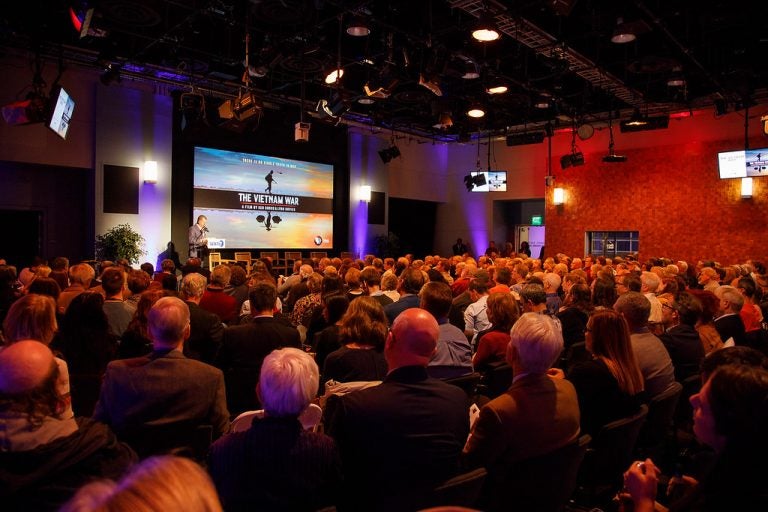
<point>534,235</point>
<point>25,237</point>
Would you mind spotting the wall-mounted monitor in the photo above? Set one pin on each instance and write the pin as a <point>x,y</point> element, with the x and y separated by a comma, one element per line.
<point>743,164</point>
<point>489,181</point>
<point>263,202</point>
<point>62,107</point>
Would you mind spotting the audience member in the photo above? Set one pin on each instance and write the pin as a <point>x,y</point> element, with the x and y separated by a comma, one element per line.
<point>118,312</point>
<point>728,323</point>
<point>206,330</point>
<point>329,339</point>
<point>610,385</point>
<point>681,339</point>
<point>46,456</point>
<point>136,340</point>
<point>730,416</point>
<point>245,346</point>
<point>492,343</point>
<point>650,354</point>
<point>538,414</point>
<point>80,277</point>
<point>163,482</point>
<point>410,283</point>
<point>476,314</point>
<point>88,345</point>
<point>453,356</point>
<point>138,283</point>
<point>401,438</point>
<point>710,304</point>
<point>215,300</point>
<point>276,464</point>
<point>163,389</point>
<point>362,332</point>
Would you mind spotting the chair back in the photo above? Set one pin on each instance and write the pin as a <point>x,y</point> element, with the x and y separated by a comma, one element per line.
<point>684,412</point>
<point>309,419</point>
<point>182,438</point>
<point>658,424</point>
<point>214,258</point>
<point>318,254</point>
<point>543,483</point>
<point>247,258</point>
<point>462,490</point>
<point>610,454</point>
<point>496,379</point>
<point>467,382</point>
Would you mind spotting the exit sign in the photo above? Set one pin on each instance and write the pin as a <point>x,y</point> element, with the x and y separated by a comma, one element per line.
<point>536,220</point>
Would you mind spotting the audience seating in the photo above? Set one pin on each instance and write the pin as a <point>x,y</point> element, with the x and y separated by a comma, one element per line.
<point>309,419</point>
<point>544,483</point>
<point>684,412</point>
<point>246,257</point>
<point>466,382</point>
<point>496,379</point>
<point>214,258</point>
<point>318,254</point>
<point>183,438</point>
<point>609,455</point>
<point>659,423</point>
<point>460,491</point>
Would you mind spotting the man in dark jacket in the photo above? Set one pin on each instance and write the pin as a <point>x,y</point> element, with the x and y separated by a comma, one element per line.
<point>44,459</point>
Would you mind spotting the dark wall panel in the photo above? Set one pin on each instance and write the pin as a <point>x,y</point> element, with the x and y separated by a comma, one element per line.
<point>121,189</point>
<point>377,208</point>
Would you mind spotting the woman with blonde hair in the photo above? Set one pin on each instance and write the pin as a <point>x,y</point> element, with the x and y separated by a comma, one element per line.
<point>154,485</point>
<point>362,332</point>
<point>609,386</point>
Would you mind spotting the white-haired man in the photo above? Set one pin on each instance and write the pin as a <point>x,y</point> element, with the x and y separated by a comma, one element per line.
<point>164,389</point>
<point>276,463</point>
<point>538,414</point>
<point>649,284</point>
<point>729,324</point>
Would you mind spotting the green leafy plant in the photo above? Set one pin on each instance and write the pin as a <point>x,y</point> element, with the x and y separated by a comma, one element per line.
<point>120,242</point>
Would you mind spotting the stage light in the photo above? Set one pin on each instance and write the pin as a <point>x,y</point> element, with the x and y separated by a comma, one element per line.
<point>623,33</point>
<point>572,160</point>
<point>476,111</point>
<point>444,121</point>
<point>485,29</point>
<point>334,75</point>
<point>358,27</point>
<point>389,153</point>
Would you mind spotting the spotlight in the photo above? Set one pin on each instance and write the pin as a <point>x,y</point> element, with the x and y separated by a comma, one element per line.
<point>473,180</point>
<point>623,33</point>
<point>389,153</point>
<point>476,111</point>
<point>334,107</point>
<point>614,159</point>
<point>574,159</point>
<point>485,30</point>
<point>637,119</point>
<point>445,121</point>
<point>430,84</point>
<point>358,27</point>
<point>334,75</point>
<point>470,71</point>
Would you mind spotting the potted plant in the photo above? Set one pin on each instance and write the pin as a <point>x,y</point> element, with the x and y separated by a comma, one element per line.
<point>120,242</point>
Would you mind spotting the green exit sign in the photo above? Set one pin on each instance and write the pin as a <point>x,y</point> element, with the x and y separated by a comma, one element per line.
<point>536,220</point>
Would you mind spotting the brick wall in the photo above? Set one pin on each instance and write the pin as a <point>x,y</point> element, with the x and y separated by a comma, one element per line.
<point>671,194</point>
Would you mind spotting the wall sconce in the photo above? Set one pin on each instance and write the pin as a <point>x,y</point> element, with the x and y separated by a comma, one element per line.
<point>150,171</point>
<point>558,197</point>
<point>365,193</point>
<point>746,188</point>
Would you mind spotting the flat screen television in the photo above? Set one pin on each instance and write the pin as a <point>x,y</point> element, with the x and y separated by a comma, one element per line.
<point>743,164</point>
<point>489,181</point>
<point>62,107</point>
<point>258,201</point>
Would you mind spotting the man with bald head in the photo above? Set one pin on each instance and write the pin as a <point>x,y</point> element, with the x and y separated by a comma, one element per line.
<point>401,438</point>
<point>45,457</point>
<point>146,397</point>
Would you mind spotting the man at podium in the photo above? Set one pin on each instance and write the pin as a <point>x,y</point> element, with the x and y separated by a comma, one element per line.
<point>198,239</point>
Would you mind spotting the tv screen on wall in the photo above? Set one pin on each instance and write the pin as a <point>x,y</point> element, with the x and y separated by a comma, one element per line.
<point>263,202</point>
<point>494,181</point>
<point>743,163</point>
<point>62,107</point>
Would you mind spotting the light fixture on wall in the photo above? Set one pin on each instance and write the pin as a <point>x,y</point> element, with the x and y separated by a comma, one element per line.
<point>365,193</point>
<point>746,188</point>
<point>558,196</point>
<point>150,171</point>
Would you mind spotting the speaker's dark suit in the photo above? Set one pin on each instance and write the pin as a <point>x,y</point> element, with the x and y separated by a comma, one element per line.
<point>163,388</point>
<point>243,350</point>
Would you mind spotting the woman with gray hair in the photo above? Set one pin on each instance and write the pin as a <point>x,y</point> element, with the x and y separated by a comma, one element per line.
<point>276,464</point>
